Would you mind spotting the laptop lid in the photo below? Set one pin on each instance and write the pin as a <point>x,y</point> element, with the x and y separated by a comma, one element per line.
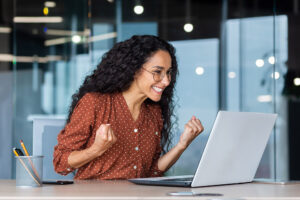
<point>234,148</point>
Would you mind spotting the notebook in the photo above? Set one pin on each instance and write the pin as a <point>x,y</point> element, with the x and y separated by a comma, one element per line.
<point>232,153</point>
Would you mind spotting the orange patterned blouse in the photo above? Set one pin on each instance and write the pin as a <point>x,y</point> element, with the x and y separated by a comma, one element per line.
<point>136,152</point>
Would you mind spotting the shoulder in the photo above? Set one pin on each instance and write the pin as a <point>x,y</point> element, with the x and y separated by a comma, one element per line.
<point>93,100</point>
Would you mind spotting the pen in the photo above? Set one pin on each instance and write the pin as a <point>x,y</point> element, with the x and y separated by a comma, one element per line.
<point>27,154</point>
<point>20,153</point>
<point>17,155</point>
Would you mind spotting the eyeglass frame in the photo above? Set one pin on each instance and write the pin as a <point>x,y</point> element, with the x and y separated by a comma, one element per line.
<point>162,76</point>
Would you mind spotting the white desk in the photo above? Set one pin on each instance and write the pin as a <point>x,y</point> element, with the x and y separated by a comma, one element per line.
<point>125,190</point>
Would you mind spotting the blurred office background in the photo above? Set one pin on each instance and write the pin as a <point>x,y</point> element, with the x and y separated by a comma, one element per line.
<point>238,55</point>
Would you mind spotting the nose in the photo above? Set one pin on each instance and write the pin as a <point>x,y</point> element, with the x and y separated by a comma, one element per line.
<point>166,80</point>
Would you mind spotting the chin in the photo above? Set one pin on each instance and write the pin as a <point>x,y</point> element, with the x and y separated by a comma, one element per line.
<point>155,99</point>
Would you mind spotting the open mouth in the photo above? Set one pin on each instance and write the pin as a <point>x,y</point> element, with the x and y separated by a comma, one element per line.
<point>157,89</point>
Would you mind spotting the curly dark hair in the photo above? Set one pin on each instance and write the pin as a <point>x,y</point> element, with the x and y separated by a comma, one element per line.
<point>116,71</point>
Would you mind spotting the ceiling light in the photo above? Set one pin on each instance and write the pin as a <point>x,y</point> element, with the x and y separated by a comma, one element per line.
<point>271,60</point>
<point>297,81</point>
<point>5,30</point>
<point>86,32</point>
<point>6,57</point>
<point>188,27</point>
<point>231,75</point>
<point>105,36</point>
<point>259,62</point>
<point>199,70</point>
<point>28,59</point>
<point>38,19</point>
<point>95,38</point>
<point>138,9</point>
<point>76,39</point>
<point>57,41</point>
<point>277,75</point>
<point>50,4</point>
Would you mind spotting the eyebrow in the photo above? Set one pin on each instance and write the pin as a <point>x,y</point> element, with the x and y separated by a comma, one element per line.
<point>161,68</point>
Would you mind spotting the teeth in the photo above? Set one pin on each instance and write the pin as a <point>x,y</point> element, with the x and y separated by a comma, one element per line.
<point>157,89</point>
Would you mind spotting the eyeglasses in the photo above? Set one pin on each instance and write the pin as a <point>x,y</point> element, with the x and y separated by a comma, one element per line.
<point>158,75</point>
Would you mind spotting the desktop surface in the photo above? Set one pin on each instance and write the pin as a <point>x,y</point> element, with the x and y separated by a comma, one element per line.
<point>126,190</point>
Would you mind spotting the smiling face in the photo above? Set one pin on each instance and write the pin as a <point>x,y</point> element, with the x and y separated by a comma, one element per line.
<point>158,64</point>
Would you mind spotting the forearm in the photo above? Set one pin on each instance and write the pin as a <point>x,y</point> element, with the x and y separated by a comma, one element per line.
<point>167,160</point>
<point>79,158</point>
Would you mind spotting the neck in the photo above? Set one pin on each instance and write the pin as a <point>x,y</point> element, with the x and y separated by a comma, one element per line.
<point>134,100</point>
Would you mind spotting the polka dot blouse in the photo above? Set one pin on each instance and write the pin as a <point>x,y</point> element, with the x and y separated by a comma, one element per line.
<point>136,152</point>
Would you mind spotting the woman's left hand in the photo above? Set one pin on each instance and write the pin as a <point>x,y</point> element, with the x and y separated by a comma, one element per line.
<point>191,130</point>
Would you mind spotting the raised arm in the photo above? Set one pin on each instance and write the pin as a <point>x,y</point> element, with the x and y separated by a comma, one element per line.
<point>191,130</point>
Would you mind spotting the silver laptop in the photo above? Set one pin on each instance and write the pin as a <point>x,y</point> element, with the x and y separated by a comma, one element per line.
<point>232,153</point>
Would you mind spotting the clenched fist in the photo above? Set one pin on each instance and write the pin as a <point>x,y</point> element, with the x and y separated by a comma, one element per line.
<point>105,138</point>
<point>191,130</point>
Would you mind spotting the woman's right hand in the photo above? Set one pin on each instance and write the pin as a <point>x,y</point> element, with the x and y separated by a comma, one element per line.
<point>104,139</point>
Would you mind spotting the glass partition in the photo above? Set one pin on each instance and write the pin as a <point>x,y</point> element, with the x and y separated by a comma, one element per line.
<point>48,44</point>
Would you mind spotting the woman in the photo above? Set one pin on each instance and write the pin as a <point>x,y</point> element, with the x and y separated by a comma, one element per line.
<point>120,119</point>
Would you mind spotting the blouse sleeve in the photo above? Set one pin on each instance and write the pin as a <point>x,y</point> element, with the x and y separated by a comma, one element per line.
<point>75,135</point>
<point>154,171</point>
